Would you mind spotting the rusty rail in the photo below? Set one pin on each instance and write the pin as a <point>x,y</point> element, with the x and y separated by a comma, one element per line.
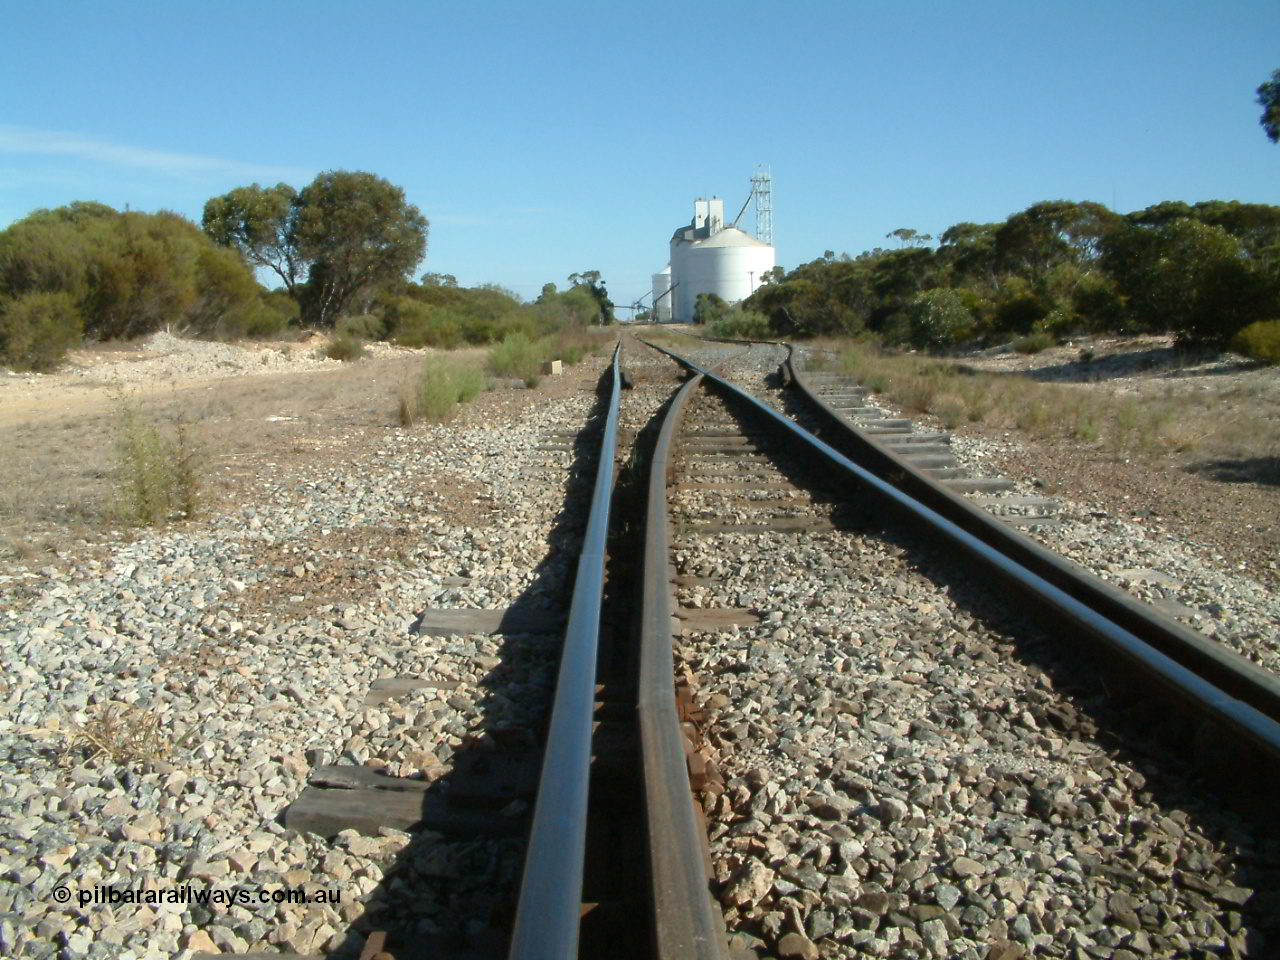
<point>687,923</point>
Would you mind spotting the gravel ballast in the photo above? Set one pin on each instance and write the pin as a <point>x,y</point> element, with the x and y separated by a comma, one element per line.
<point>250,640</point>
<point>912,771</point>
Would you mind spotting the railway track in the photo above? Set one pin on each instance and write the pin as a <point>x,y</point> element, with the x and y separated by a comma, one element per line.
<point>816,726</point>
<point>1211,711</point>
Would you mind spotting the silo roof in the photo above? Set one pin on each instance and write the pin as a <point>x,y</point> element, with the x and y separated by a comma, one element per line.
<point>730,237</point>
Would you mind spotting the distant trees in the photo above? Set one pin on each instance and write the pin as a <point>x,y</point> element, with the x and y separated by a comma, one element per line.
<point>342,236</point>
<point>907,237</point>
<point>438,280</point>
<point>590,279</point>
<point>260,223</point>
<point>357,231</point>
<point>585,303</point>
<point>342,248</point>
<point>1202,271</point>
<point>708,308</point>
<point>1046,235</point>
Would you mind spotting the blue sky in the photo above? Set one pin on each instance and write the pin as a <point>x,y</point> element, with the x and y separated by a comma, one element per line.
<point>543,139</point>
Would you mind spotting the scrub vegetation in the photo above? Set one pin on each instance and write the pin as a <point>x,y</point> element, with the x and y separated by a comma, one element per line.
<point>1056,270</point>
<point>342,250</point>
<point>520,357</point>
<point>1121,424</point>
<point>1259,341</point>
<point>157,472</point>
<point>442,384</point>
<point>86,270</point>
<point>447,380</point>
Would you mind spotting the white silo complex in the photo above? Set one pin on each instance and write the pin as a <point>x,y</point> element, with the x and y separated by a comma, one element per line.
<point>708,257</point>
<point>662,295</point>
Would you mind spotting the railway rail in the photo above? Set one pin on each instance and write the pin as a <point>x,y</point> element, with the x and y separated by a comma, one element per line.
<point>1224,692</point>
<point>617,862</point>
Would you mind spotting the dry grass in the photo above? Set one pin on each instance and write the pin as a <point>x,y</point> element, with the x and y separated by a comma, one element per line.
<point>58,481</point>
<point>574,344</point>
<point>1125,424</point>
<point>671,339</point>
<point>120,732</point>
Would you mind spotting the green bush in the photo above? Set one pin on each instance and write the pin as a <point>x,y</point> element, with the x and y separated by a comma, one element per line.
<point>1260,340</point>
<point>443,384</point>
<point>938,318</point>
<point>1019,311</point>
<point>37,330</point>
<point>261,319</point>
<point>895,331</point>
<point>129,274</point>
<point>223,286</point>
<point>157,476</point>
<point>575,307</point>
<point>365,326</point>
<point>282,303</point>
<point>709,308</point>
<point>742,325</point>
<point>416,324</point>
<point>344,348</point>
<point>1033,343</point>
<point>516,356</point>
<point>1098,304</point>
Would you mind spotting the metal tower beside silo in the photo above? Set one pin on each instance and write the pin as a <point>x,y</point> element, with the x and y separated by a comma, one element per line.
<point>762,194</point>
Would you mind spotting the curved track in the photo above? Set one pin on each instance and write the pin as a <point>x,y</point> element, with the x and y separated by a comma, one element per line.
<point>1220,687</point>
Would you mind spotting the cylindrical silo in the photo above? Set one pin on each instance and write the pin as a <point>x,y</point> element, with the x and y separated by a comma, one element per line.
<point>730,264</point>
<point>662,295</point>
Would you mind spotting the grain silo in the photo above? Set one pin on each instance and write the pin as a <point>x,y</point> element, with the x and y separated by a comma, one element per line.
<point>708,257</point>
<point>662,295</point>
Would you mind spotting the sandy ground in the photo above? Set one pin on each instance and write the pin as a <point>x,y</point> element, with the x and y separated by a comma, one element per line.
<point>249,419</point>
<point>267,407</point>
<point>1223,490</point>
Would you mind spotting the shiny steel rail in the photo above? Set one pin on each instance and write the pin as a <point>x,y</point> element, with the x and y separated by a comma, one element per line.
<point>685,922</point>
<point>1245,705</point>
<point>547,918</point>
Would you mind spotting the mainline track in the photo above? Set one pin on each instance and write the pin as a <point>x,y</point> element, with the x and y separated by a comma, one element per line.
<point>546,922</point>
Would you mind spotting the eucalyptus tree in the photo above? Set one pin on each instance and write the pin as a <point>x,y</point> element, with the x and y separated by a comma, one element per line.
<point>260,222</point>
<point>1269,100</point>
<point>1049,233</point>
<point>345,236</point>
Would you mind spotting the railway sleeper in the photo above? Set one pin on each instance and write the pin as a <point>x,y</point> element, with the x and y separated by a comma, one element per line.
<point>910,452</point>
<point>936,462</point>
<point>910,440</point>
